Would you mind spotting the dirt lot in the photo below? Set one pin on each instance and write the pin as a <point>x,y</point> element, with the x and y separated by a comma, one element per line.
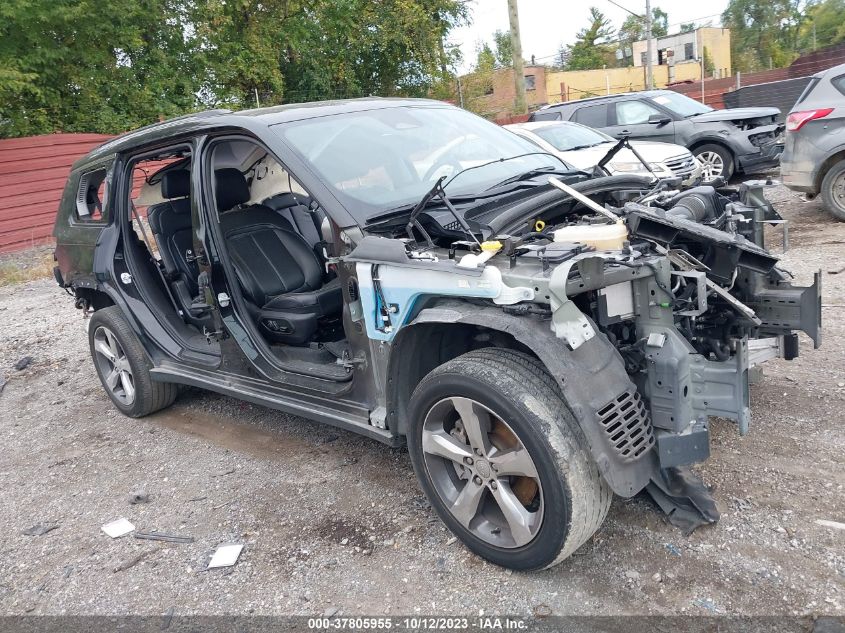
<point>332,522</point>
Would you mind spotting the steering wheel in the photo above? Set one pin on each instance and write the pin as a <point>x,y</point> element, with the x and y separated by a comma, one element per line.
<point>449,168</point>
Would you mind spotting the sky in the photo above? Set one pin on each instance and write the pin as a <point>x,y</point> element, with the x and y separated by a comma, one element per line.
<point>546,24</point>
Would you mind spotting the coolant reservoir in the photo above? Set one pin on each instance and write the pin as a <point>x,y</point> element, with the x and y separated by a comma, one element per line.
<point>602,237</point>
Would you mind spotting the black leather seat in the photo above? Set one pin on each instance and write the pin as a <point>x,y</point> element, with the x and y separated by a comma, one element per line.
<point>170,223</point>
<point>281,276</point>
<point>294,208</point>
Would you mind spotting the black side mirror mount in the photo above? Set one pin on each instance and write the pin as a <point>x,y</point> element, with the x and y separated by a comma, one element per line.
<point>659,119</point>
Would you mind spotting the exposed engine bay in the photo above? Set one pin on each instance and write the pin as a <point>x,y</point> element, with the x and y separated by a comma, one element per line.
<point>678,282</point>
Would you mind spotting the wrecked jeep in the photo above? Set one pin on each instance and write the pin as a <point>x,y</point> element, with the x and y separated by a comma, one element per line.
<point>541,338</point>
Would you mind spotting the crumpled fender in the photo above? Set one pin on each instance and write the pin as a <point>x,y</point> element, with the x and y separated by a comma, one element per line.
<point>589,377</point>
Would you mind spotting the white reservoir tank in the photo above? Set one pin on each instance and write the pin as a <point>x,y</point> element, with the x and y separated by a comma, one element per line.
<point>602,237</point>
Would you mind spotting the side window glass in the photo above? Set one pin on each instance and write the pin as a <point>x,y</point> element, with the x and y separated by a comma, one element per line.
<point>634,112</point>
<point>92,196</point>
<point>592,116</point>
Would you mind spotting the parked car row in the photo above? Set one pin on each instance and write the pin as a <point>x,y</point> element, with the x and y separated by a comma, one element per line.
<point>668,126</point>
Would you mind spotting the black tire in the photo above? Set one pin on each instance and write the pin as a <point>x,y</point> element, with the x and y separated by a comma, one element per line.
<point>516,387</point>
<point>724,154</point>
<point>833,190</point>
<point>149,396</point>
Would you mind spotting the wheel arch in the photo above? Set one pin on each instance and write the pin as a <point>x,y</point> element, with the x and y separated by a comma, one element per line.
<point>589,377</point>
<point>827,163</point>
<point>708,140</point>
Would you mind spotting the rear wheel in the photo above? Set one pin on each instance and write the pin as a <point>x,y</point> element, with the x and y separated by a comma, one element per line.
<point>503,461</point>
<point>833,190</point>
<point>123,366</point>
<point>716,161</point>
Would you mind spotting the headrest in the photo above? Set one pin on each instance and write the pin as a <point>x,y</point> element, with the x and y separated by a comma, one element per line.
<point>176,184</point>
<point>231,188</point>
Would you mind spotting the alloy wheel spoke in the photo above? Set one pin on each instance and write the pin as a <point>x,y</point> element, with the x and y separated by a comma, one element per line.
<point>126,383</point>
<point>466,505</point>
<point>518,518</point>
<point>113,378</point>
<point>476,422</point>
<point>103,348</point>
<point>444,445</point>
<point>514,462</point>
<point>112,343</point>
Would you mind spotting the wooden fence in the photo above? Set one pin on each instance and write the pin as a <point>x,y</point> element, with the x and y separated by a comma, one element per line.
<point>33,171</point>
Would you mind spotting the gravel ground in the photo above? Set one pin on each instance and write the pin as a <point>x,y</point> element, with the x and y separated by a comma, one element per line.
<point>332,522</point>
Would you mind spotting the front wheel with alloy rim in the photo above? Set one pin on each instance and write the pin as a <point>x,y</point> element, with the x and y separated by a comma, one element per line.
<point>833,190</point>
<point>503,461</point>
<point>123,366</point>
<point>716,161</point>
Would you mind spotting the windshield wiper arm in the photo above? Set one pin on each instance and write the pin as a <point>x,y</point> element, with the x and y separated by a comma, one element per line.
<point>528,174</point>
<point>436,191</point>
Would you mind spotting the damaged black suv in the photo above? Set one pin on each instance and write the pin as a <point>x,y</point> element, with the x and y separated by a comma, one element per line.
<point>541,338</point>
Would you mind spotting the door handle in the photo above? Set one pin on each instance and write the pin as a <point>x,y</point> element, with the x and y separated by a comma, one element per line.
<point>623,133</point>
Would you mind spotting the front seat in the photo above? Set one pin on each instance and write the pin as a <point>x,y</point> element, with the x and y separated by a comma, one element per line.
<point>280,274</point>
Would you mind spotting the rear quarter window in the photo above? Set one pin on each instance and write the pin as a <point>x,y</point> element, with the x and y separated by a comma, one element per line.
<point>92,196</point>
<point>592,116</point>
<point>837,82</point>
<point>813,83</point>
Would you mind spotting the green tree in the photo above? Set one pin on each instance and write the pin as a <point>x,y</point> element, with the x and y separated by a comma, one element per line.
<point>763,32</point>
<point>633,29</point>
<point>70,65</point>
<point>688,27</point>
<point>709,66</point>
<point>78,65</point>
<point>504,49</point>
<point>478,84</point>
<point>591,49</point>
<point>823,25</point>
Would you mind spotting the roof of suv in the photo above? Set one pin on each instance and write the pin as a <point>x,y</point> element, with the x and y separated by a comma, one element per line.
<point>613,97</point>
<point>249,119</point>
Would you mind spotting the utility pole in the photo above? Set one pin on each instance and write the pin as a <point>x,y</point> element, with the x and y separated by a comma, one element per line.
<point>649,48</point>
<point>519,105</point>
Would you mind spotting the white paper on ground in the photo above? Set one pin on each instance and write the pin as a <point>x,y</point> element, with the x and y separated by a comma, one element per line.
<point>120,527</point>
<point>226,555</point>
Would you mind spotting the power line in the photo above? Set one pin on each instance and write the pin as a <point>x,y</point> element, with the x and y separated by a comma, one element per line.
<point>636,15</point>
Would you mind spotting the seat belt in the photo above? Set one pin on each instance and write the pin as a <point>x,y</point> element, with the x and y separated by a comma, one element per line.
<point>157,263</point>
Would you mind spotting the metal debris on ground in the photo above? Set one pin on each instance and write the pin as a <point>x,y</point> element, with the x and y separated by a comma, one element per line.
<point>23,363</point>
<point>226,555</point>
<point>831,524</point>
<point>118,528</point>
<point>40,529</point>
<point>167,538</point>
<point>139,497</point>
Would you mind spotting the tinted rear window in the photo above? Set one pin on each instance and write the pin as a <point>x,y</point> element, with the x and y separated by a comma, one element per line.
<point>592,116</point>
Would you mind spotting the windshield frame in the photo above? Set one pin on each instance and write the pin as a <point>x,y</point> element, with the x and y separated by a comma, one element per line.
<point>363,211</point>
